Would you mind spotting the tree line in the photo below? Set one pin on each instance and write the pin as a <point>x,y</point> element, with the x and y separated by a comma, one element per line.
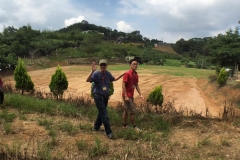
<point>222,50</point>
<point>71,41</point>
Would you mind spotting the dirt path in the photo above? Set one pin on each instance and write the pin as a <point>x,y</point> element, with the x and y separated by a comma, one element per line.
<point>185,92</point>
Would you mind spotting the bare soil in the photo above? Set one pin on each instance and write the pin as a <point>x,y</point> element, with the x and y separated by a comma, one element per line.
<point>190,93</point>
<point>199,95</point>
<point>166,48</point>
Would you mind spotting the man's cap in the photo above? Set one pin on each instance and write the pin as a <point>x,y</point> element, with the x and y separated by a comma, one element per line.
<point>103,61</point>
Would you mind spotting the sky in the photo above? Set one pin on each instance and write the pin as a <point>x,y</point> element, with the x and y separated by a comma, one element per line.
<point>166,20</point>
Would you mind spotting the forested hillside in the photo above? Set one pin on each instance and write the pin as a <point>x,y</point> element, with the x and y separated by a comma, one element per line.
<point>85,40</point>
<point>223,49</point>
<point>82,40</point>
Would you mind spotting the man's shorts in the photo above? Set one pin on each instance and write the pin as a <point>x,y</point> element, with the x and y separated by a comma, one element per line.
<point>129,106</point>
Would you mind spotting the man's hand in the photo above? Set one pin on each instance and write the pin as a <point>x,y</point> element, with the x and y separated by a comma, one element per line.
<point>94,67</point>
<point>126,98</point>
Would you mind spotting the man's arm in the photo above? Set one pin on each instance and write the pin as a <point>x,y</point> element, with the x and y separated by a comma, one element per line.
<point>138,90</point>
<point>89,76</point>
<point>94,67</point>
<point>115,79</point>
<point>124,90</point>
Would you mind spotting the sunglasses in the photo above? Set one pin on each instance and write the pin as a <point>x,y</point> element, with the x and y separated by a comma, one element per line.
<point>103,64</point>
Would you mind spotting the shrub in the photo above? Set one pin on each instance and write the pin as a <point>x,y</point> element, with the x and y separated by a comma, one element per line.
<point>212,67</point>
<point>156,96</point>
<point>111,89</point>
<point>217,69</point>
<point>191,64</point>
<point>172,62</point>
<point>23,80</point>
<point>222,76</point>
<point>58,83</point>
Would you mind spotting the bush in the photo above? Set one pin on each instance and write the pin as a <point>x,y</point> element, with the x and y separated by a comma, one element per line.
<point>111,89</point>
<point>217,69</point>
<point>212,67</point>
<point>172,62</point>
<point>191,64</point>
<point>156,96</point>
<point>222,76</point>
<point>58,82</point>
<point>23,80</point>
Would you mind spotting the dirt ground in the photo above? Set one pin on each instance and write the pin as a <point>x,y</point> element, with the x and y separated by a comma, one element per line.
<point>186,93</point>
<point>184,141</point>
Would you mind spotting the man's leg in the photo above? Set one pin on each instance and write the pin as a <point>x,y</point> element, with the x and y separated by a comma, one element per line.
<point>98,122</point>
<point>132,119</point>
<point>132,109</point>
<point>103,113</point>
<point>125,118</point>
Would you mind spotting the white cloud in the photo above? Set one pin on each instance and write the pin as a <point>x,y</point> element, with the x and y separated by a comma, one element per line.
<point>71,21</point>
<point>169,20</point>
<point>122,26</point>
<point>44,14</point>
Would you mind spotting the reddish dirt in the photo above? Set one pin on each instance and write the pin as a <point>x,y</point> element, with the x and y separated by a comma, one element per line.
<point>187,93</point>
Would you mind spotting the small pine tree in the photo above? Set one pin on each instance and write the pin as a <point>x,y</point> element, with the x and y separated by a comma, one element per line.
<point>222,76</point>
<point>156,96</point>
<point>23,80</point>
<point>58,83</point>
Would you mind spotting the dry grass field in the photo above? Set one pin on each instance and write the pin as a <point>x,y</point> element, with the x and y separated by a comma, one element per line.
<point>166,48</point>
<point>193,138</point>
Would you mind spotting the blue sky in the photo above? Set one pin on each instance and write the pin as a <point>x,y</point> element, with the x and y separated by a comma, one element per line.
<point>167,20</point>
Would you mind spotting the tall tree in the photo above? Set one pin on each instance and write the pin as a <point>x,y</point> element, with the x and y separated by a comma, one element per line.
<point>23,80</point>
<point>225,49</point>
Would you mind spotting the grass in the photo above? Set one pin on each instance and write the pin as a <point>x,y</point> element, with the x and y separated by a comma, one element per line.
<point>179,71</point>
<point>68,127</point>
<point>72,134</point>
<point>98,149</point>
<point>7,117</point>
<point>152,143</point>
<point>81,145</point>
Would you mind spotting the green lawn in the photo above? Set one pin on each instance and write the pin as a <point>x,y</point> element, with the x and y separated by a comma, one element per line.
<point>168,70</point>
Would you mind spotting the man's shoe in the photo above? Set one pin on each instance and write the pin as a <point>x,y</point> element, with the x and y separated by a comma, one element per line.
<point>126,126</point>
<point>97,130</point>
<point>110,136</point>
<point>137,129</point>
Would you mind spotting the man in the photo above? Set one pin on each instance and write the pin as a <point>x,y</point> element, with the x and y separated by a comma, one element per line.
<point>130,82</point>
<point>102,81</point>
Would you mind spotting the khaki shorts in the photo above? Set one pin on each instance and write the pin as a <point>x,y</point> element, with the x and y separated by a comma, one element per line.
<point>129,106</point>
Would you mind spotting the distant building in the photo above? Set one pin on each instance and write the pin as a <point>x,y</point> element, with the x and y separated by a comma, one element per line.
<point>92,31</point>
